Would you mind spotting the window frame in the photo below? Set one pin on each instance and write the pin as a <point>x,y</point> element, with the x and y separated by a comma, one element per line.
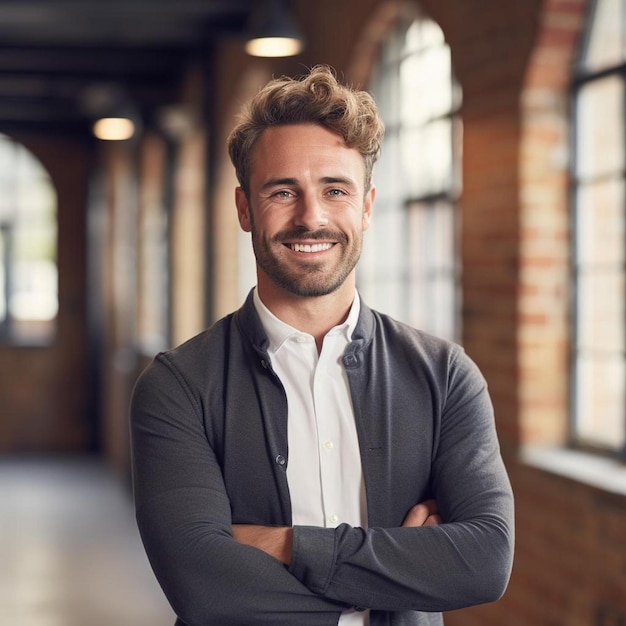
<point>582,78</point>
<point>8,334</point>
<point>406,199</point>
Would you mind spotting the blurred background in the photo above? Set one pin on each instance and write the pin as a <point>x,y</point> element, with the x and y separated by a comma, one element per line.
<point>499,223</point>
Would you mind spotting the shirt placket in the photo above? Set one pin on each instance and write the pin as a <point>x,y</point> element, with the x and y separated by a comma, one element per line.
<point>326,409</point>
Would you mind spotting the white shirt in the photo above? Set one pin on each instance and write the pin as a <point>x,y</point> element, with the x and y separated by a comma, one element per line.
<point>324,471</point>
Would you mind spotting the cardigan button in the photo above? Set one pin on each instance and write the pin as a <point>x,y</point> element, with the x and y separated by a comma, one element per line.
<point>350,359</point>
<point>281,460</point>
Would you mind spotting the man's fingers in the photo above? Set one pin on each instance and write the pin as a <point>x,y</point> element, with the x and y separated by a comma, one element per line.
<point>421,513</point>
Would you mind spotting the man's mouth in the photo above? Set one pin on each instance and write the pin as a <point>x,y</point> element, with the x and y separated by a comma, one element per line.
<point>306,247</point>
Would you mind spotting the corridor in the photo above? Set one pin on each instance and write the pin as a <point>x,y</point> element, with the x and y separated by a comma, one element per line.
<point>69,548</point>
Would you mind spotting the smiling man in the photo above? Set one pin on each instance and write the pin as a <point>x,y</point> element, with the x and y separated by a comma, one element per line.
<point>307,460</point>
<point>307,206</point>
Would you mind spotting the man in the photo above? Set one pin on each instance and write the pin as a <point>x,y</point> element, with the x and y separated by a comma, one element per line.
<point>307,460</point>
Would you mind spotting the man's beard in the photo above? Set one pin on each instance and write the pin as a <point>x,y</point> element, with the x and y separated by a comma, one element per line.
<point>311,279</point>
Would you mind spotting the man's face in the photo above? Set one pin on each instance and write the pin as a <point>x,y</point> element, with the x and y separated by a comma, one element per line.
<point>307,209</point>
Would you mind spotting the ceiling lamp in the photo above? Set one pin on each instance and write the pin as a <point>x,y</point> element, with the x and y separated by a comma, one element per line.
<point>114,128</point>
<point>272,31</point>
<point>114,115</point>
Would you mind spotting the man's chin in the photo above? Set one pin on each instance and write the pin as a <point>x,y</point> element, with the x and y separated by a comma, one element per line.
<point>310,289</point>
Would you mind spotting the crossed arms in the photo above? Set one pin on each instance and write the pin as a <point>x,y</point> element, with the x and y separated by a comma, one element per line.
<point>219,569</point>
<point>277,541</point>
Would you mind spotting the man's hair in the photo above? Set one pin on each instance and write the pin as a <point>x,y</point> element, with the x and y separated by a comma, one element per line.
<point>317,98</point>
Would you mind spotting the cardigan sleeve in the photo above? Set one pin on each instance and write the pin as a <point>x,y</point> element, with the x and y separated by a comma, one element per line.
<point>184,519</point>
<point>464,561</point>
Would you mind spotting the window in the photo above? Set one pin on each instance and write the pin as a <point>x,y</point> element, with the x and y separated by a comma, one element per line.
<point>409,266</point>
<point>599,259</point>
<point>153,254</point>
<point>28,247</point>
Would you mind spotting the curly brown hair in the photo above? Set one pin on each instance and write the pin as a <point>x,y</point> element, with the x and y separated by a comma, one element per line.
<point>318,98</point>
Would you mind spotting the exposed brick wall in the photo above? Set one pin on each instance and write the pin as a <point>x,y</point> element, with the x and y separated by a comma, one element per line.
<point>544,226</point>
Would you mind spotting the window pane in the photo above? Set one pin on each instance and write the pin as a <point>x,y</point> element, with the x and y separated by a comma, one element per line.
<point>382,269</point>
<point>600,399</point>
<point>600,129</point>
<point>432,271</point>
<point>423,33</point>
<point>605,47</point>
<point>389,242</point>
<point>601,315</point>
<point>34,296</point>
<point>427,157</point>
<point>29,228</point>
<point>389,177</point>
<point>600,225</point>
<point>427,86</point>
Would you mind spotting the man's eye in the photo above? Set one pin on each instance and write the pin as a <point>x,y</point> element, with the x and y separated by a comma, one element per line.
<point>283,194</point>
<point>336,192</point>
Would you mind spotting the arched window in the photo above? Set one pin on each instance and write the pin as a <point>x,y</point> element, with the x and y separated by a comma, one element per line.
<point>599,212</point>
<point>410,267</point>
<point>28,247</point>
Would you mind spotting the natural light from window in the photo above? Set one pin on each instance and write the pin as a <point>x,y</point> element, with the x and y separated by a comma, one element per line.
<point>28,247</point>
<point>599,367</point>
<point>409,267</point>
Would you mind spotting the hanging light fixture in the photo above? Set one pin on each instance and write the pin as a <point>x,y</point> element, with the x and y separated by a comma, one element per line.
<point>114,128</point>
<point>272,31</point>
<point>115,116</point>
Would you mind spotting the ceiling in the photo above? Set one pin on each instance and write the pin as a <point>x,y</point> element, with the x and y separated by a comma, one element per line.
<point>61,59</point>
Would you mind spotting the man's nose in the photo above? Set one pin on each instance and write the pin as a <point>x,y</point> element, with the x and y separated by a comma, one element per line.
<point>311,213</point>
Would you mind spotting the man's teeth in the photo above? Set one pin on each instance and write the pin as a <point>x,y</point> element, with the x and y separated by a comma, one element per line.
<point>316,247</point>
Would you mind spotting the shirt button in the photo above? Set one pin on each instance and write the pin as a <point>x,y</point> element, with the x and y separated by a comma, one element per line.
<point>329,445</point>
<point>333,519</point>
<point>281,460</point>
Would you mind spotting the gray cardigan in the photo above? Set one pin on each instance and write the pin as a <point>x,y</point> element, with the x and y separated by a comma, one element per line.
<point>209,443</point>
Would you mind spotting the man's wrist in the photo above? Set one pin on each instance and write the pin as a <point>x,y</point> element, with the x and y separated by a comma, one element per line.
<point>273,540</point>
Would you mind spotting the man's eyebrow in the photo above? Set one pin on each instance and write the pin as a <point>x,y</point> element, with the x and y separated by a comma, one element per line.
<point>329,180</point>
<point>276,182</point>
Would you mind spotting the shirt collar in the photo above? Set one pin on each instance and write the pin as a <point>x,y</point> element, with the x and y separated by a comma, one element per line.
<point>278,331</point>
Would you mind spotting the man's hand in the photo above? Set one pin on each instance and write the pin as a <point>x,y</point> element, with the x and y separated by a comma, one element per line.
<point>274,540</point>
<point>423,514</point>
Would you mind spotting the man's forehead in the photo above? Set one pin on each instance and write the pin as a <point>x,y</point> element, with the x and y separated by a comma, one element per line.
<point>293,132</point>
<point>281,148</point>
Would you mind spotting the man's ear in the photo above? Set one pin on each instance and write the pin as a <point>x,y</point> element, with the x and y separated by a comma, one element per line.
<point>243,210</point>
<point>368,205</point>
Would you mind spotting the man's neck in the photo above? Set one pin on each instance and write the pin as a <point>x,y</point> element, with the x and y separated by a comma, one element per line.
<point>315,315</point>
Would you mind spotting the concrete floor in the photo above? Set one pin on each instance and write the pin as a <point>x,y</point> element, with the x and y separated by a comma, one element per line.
<point>70,553</point>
